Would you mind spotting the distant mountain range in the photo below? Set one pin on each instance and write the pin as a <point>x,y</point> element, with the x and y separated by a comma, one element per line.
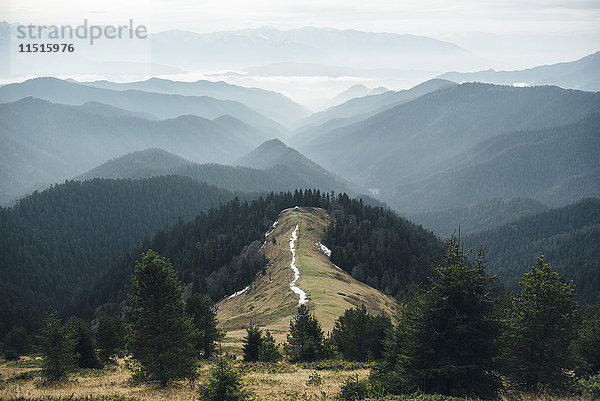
<point>360,108</point>
<point>398,151</point>
<point>159,105</point>
<point>63,141</point>
<point>270,167</point>
<point>265,45</point>
<point>355,91</point>
<point>271,104</point>
<point>580,74</point>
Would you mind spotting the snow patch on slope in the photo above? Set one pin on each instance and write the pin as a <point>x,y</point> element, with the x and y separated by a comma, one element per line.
<point>293,286</point>
<point>235,294</point>
<point>324,249</point>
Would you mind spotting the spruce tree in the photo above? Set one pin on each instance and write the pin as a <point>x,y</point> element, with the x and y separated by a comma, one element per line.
<point>85,347</point>
<point>110,337</point>
<point>161,338</point>
<point>57,345</point>
<point>252,343</point>
<point>542,330</point>
<point>204,317</point>
<point>268,350</point>
<point>305,337</point>
<point>447,339</point>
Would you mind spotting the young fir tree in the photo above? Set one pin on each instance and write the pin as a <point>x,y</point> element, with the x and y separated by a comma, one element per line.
<point>161,338</point>
<point>17,342</point>
<point>57,344</point>
<point>85,347</point>
<point>110,337</point>
<point>305,337</point>
<point>352,334</point>
<point>447,338</point>
<point>204,317</point>
<point>268,351</point>
<point>224,383</point>
<point>253,342</point>
<point>542,330</point>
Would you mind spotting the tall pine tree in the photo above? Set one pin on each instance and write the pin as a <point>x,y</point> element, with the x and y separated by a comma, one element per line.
<point>161,339</point>
<point>542,330</point>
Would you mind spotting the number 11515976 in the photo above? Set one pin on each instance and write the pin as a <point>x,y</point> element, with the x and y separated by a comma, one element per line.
<point>46,48</point>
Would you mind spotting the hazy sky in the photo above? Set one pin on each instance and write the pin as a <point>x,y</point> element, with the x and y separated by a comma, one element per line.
<point>431,17</point>
<point>508,34</point>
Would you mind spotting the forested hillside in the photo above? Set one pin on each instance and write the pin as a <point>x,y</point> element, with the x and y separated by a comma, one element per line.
<point>218,252</point>
<point>52,240</point>
<point>554,166</point>
<point>380,248</point>
<point>476,217</point>
<point>567,237</point>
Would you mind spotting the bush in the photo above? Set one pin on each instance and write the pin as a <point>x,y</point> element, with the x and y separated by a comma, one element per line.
<point>314,380</point>
<point>354,389</point>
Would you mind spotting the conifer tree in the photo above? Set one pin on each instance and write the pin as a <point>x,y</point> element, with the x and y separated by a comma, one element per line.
<point>204,317</point>
<point>448,336</point>
<point>85,347</point>
<point>305,337</point>
<point>110,337</point>
<point>352,334</point>
<point>268,350</point>
<point>253,342</point>
<point>161,340</point>
<point>224,383</point>
<point>57,346</point>
<point>542,330</point>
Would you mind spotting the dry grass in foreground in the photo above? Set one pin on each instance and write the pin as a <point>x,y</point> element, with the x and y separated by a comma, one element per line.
<point>268,382</point>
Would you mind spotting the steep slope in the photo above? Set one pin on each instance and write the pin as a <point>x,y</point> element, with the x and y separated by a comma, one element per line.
<point>64,141</point>
<point>160,105</point>
<point>358,109</point>
<point>271,104</point>
<point>53,240</point>
<point>567,237</point>
<point>270,302</point>
<point>579,74</point>
<point>392,147</point>
<point>555,166</point>
<point>476,217</point>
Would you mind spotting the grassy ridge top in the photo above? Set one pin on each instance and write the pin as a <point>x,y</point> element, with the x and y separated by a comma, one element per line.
<point>270,303</point>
